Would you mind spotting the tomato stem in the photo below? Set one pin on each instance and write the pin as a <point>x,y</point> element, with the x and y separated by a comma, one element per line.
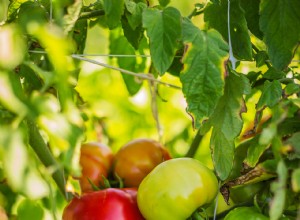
<point>195,144</point>
<point>44,154</point>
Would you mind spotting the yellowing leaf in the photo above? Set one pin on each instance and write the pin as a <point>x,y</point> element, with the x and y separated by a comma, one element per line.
<point>203,73</point>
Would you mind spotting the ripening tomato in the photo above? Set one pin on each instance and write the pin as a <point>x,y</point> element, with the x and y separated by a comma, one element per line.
<point>136,159</point>
<point>174,189</point>
<point>95,160</point>
<point>107,204</point>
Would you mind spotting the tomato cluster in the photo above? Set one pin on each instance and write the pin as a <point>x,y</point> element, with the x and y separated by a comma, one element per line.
<point>156,186</point>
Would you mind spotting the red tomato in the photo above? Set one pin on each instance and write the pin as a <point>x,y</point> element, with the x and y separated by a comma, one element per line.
<point>107,204</point>
<point>138,158</point>
<point>95,160</point>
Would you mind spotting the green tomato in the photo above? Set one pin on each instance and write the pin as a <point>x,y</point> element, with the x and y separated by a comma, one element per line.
<point>174,189</point>
<point>249,213</point>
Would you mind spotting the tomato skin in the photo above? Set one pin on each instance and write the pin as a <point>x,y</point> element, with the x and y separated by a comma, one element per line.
<point>175,189</point>
<point>136,159</point>
<point>107,204</point>
<point>95,160</point>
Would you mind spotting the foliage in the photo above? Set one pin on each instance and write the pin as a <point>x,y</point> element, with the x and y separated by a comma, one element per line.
<point>50,101</point>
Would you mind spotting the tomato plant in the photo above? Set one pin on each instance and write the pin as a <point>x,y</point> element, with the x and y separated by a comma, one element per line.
<point>95,160</point>
<point>175,189</point>
<point>250,213</point>
<point>136,159</point>
<point>192,74</point>
<point>107,204</point>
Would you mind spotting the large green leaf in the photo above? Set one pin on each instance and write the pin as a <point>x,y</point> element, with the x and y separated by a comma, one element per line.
<point>203,73</point>
<point>280,23</point>
<point>113,12</point>
<point>134,36</point>
<point>271,94</point>
<point>227,123</point>
<point>251,9</point>
<point>216,17</point>
<point>164,31</point>
<point>122,46</point>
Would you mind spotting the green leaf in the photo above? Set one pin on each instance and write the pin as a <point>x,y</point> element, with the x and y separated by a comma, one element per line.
<point>30,80</point>
<point>30,12</point>
<point>296,180</point>
<point>202,76</point>
<point>280,23</point>
<point>271,94</point>
<point>113,12</point>
<point>273,73</point>
<point>164,31</point>
<point>73,12</point>
<point>292,88</point>
<point>268,134</point>
<point>249,213</point>
<point>11,96</point>
<point>80,35</point>
<point>294,142</point>
<point>255,151</point>
<point>216,17</point>
<point>164,3</point>
<point>251,9</point>
<point>134,36</point>
<point>261,57</point>
<point>13,8</point>
<point>227,123</point>
<point>279,189</point>
<point>30,210</point>
<point>121,46</point>
<point>134,13</point>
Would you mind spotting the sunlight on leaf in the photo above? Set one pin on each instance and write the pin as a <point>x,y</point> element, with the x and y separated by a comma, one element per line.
<point>12,47</point>
<point>20,172</point>
<point>203,74</point>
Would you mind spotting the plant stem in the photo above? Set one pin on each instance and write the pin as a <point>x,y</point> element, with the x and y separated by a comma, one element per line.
<point>44,154</point>
<point>91,14</point>
<point>195,145</point>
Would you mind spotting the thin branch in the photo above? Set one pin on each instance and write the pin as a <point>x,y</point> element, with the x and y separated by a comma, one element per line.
<point>154,108</point>
<point>91,14</point>
<point>44,154</point>
<point>113,55</point>
<point>195,145</point>
<point>51,11</point>
<point>138,75</point>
